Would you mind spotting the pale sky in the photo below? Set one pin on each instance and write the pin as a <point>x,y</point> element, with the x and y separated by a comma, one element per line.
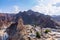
<point>50,7</point>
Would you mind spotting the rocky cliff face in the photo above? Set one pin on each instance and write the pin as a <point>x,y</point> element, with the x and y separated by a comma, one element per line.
<point>19,31</point>
<point>56,18</point>
<point>7,17</point>
<point>15,31</point>
<point>29,17</point>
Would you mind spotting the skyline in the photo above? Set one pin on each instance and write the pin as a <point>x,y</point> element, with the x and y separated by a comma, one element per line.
<point>49,7</point>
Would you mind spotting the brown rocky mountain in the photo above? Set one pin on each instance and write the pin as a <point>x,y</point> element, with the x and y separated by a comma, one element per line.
<point>29,17</point>
<point>17,30</point>
<point>56,17</point>
<point>6,18</point>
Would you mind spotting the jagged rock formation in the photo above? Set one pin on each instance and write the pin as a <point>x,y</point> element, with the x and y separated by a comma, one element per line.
<point>3,35</point>
<point>15,31</point>
<point>7,17</point>
<point>30,17</point>
<point>56,18</point>
<point>20,25</point>
<point>18,30</point>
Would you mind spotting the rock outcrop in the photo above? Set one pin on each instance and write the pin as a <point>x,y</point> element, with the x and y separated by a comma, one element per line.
<point>30,17</point>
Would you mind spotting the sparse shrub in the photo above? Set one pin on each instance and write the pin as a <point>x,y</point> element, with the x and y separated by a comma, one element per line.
<point>46,31</point>
<point>37,35</point>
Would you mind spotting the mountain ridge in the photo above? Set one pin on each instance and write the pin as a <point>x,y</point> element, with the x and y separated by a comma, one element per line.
<point>30,17</point>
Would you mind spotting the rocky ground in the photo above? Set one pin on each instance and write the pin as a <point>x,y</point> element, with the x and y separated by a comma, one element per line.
<point>19,31</point>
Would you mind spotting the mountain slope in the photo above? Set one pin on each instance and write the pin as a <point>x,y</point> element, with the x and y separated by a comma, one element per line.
<point>56,18</point>
<point>30,17</point>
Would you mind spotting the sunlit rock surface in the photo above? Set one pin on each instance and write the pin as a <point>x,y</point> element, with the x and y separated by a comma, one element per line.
<point>3,35</point>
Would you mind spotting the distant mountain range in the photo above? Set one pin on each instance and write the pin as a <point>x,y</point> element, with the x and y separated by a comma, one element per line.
<point>56,18</point>
<point>30,17</point>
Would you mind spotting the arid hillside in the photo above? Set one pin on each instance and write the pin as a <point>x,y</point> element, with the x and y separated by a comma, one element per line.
<point>29,17</point>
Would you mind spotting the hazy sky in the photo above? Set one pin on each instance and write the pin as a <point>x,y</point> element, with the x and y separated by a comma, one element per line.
<point>50,7</point>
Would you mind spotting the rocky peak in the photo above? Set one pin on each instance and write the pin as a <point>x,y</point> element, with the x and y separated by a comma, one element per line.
<point>20,24</point>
